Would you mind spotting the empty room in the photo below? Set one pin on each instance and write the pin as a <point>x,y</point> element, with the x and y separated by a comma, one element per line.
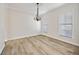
<point>39,29</point>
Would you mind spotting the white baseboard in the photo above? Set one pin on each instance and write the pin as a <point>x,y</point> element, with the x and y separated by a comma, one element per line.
<point>73,43</point>
<point>19,37</point>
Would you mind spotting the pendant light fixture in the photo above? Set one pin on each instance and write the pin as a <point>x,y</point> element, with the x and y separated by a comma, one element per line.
<point>38,18</point>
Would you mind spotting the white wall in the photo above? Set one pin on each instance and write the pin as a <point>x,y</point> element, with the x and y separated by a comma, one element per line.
<point>50,20</point>
<point>2,26</point>
<point>21,24</point>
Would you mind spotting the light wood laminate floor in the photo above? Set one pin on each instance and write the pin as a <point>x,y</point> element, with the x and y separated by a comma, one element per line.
<point>39,45</point>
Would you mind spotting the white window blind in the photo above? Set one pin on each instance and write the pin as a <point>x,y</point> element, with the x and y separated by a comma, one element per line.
<point>65,25</point>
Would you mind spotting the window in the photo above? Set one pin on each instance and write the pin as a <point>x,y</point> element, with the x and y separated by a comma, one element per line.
<point>65,25</point>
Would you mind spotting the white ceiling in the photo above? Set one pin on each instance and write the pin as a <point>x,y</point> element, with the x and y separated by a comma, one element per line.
<point>31,7</point>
